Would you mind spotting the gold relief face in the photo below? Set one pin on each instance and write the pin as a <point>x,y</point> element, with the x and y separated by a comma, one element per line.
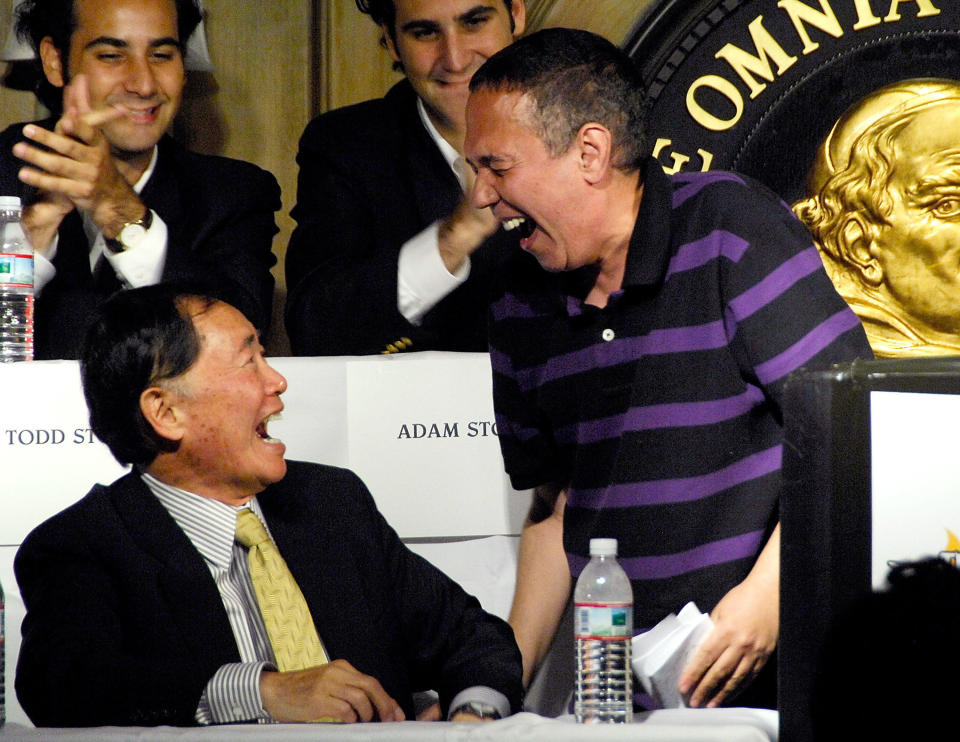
<point>884,209</point>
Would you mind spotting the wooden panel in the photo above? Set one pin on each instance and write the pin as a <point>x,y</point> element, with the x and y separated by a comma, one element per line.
<point>256,103</point>
<point>15,105</point>
<point>353,65</point>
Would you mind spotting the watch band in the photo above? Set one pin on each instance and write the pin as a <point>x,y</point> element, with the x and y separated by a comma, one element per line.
<point>122,241</point>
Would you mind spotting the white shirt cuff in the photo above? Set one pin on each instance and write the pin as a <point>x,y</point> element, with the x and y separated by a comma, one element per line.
<point>141,265</point>
<point>233,694</point>
<point>422,278</point>
<point>482,694</point>
<point>43,270</point>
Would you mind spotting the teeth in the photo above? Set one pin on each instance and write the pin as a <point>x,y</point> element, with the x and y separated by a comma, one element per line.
<point>510,224</point>
<point>266,436</point>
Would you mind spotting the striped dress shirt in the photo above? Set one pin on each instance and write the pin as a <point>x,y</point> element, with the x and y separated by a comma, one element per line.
<point>233,693</point>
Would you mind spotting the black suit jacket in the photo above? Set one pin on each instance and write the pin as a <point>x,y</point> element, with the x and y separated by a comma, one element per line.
<point>219,217</point>
<point>125,626</point>
<point>370,179</point>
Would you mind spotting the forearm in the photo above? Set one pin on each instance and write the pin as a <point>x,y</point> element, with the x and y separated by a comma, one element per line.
<point>746,626</point>
<point>543,585</point>
<point>766,570</point>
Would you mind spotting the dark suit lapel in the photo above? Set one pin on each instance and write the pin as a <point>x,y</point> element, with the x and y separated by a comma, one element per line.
<point>72,260</point>
<point>309,553</point>
<point>164,192</point>
<point>190,590</point>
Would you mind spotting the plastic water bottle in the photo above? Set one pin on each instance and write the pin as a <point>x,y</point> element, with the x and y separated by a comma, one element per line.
<point>603,628</point>
<point>16,285</point>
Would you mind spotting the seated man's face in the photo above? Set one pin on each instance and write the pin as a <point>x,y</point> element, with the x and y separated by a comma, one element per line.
<point>441,43</point>
<point>128,50</point>
<point>228,396</point>
<point>919,250</point>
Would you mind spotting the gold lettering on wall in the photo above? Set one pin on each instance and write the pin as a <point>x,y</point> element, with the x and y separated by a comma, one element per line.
<point>743,63</point>
<point>679,160</point>
<point>824,19</point>
<point>865,16</point>
<point>754,68</point>
<point>703,117</point>
<point>925,8</point>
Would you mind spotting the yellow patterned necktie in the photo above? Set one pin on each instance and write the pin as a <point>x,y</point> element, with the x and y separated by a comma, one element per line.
<point>286,616</point>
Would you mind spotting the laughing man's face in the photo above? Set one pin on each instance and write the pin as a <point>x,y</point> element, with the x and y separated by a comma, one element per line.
<point>534,193</point>
<point>129,52</point>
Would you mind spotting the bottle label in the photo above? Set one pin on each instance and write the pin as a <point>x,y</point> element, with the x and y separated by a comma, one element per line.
<point>16,270</point>
<point>603,620</point>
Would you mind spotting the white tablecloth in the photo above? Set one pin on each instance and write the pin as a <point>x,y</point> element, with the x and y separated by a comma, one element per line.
<point>682,725</point>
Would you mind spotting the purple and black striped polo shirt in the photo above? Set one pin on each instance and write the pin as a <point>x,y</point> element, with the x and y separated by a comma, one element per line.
<point>661,412</point>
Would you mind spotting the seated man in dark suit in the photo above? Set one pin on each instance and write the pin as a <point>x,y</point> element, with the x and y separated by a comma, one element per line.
<point>142,603</point>
<point>388,254</point>
<point>109,200</point>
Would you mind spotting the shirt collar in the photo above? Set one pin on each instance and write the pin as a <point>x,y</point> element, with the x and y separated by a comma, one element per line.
<point>142,181</point>
<point>209,524</point>
<point>649,253</point>
<point>452,157</point>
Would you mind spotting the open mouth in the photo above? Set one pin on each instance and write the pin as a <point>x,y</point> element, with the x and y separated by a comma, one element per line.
<point>524,225</point>
<point>262,430</point>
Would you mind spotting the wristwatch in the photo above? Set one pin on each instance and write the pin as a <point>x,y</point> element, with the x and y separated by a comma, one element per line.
<point>130,234</point>
<point>478,709</point>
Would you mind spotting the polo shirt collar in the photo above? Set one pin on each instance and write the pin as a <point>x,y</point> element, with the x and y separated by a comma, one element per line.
<point>649,253</point>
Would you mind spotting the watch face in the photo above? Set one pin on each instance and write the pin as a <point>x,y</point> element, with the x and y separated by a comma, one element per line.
<point>131,235</point>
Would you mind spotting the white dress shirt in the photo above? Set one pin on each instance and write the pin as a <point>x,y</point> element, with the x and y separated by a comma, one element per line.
<point>422,278</point>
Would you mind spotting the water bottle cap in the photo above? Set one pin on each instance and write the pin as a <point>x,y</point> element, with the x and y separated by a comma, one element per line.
<point>9,202</point>
<point>603,547</point>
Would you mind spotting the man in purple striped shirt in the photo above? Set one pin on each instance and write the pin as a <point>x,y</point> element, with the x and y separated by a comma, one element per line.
<point>639,347</point>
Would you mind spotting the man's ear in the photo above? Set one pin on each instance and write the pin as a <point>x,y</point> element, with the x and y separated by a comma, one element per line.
<point>390,43</point>
<point>160,409</point>
<point>856,243</point>
<point>52,61</point>
<point>594,146</point>
<point>518,12</point>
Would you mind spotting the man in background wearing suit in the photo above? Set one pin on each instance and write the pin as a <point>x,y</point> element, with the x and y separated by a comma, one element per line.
<point>141,608</point>
<point>109,200</point>
<point>388,254</point>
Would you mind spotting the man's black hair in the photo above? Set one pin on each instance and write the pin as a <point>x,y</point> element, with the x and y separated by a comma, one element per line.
<point>573,77</point>
<point>384,12</point>
<point>37,19</point>
<point>139,338</point>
